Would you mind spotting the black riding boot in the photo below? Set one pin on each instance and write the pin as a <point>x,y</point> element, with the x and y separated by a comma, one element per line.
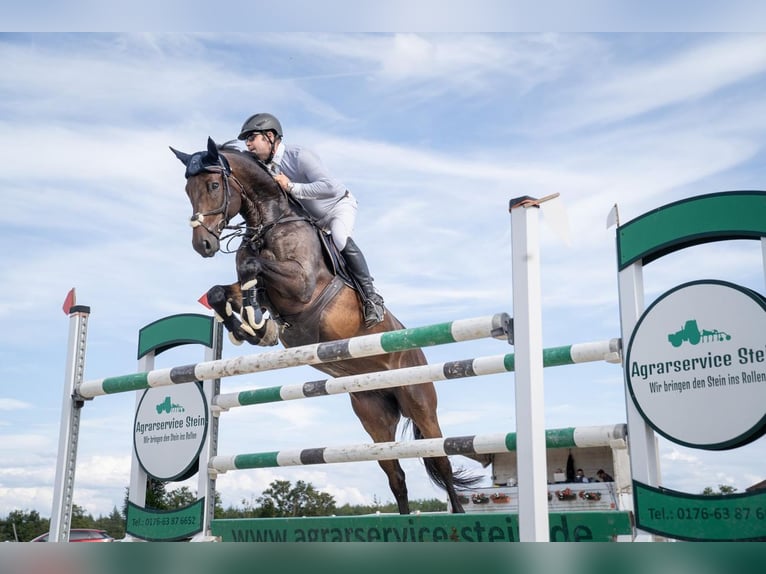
<point>372,302</point>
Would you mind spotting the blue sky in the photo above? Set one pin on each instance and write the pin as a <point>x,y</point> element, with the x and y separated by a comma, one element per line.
<point>434,133</point>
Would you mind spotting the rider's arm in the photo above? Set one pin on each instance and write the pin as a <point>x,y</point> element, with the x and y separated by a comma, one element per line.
<point>319,183</point>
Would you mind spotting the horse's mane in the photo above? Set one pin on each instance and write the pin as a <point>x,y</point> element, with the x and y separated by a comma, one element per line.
<point>232,147</point>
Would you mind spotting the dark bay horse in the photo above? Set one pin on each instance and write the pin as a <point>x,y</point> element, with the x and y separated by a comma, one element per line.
<point>282,255</point>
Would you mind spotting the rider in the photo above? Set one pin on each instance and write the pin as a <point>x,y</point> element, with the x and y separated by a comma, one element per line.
<point>300,173</point>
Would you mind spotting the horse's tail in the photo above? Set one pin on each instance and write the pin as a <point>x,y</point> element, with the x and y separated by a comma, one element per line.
<point>461,478</point>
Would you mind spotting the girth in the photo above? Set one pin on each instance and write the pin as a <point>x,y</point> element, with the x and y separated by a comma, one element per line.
<point>303,328</point>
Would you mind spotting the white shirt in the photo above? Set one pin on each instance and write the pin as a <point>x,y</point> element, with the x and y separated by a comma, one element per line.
<point>323,196</point>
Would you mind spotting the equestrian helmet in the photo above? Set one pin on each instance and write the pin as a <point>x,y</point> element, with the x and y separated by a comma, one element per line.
<point>260,123</point>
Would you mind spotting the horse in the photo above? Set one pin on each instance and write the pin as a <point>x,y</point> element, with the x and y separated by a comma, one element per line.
<point>283,268</point>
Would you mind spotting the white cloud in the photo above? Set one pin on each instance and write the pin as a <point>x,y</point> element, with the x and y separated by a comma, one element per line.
<point>103,471</point>
<point>29,442</point>
<point>633,89</point>
<point>13,405</point>
<point>675,454</point>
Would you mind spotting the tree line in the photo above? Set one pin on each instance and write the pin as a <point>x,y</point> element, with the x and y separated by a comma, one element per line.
<point>281,499</point>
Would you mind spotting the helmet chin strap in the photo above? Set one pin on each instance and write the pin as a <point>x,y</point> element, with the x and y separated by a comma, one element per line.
<point>273,143</point>
<point>273,151</point>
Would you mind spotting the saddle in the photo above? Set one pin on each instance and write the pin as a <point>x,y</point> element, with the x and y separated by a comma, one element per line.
<point>330,252</point>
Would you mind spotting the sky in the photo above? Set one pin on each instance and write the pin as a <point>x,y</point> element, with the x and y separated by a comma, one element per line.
<point>434,134</point>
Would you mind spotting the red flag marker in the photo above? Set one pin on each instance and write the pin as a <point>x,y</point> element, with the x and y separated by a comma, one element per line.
<point>69,302</point>
<point>203,301</point>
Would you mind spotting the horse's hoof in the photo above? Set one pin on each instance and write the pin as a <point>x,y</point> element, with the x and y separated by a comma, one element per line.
<point>271,336</point>
<point>234,340</point>
<point>249,284</point>
<point>250,314</point>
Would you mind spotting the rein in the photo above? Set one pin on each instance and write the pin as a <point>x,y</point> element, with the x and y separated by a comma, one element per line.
<point>255,236</point>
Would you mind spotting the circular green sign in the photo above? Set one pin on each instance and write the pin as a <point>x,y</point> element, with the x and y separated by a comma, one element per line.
<point>169,430</point>
<point>696,365</point>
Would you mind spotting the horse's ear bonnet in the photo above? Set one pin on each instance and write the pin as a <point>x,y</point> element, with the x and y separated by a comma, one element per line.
<point>202,161</point>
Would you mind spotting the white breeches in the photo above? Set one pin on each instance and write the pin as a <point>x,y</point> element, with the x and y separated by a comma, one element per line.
<point>340,221</point>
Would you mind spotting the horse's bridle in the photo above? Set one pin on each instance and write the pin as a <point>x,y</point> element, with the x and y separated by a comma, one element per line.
<point>197,220</point>
<point>255,236</point>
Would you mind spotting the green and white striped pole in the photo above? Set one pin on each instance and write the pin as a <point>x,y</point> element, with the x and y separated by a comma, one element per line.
<point>465,445</point>
<point>552,357</point>
<point>367,345</point>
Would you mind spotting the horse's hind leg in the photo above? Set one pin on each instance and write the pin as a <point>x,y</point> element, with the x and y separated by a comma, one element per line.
<point>379,415</point>
<point>419,404</point>
<point>396,482</point>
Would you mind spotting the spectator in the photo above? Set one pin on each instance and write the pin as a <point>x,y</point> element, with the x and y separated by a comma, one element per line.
<point>580,476</point>
<point>603,476</point>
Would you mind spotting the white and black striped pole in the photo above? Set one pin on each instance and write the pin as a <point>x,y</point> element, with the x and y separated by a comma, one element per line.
<point>573,437</point>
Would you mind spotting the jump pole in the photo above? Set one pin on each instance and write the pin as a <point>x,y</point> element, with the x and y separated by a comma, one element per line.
<point>490,443</point>
<point>496,326</point>
<point>608,351</point>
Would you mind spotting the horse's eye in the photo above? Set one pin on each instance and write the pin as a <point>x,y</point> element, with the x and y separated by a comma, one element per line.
<point>214,186</point>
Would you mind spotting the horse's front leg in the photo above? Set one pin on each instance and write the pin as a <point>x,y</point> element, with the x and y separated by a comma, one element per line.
<point>287,279</point>
<point>227,302</point>
<point>261,330</point>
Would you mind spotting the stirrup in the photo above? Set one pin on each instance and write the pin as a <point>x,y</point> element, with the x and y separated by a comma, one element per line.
<point>373,311</point>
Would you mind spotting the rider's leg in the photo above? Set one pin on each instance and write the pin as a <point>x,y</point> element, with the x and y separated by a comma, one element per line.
<point>341,223</point>
<point>373,302</point>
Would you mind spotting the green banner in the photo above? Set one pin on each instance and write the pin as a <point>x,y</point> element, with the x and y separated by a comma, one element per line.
<point>169,332</point>
<point>732,517</point>
<point>701,219</point>
<point>437,527</point>
<point>165,525</point>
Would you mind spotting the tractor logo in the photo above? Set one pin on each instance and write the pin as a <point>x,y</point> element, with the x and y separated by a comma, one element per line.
<point>168,407</point>
<point>694,336</point>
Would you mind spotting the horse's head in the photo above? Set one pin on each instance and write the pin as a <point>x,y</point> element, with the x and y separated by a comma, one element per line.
<point>214,203</point>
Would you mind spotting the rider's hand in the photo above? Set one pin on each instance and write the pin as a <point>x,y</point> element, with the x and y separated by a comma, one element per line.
<point>283,181</point>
